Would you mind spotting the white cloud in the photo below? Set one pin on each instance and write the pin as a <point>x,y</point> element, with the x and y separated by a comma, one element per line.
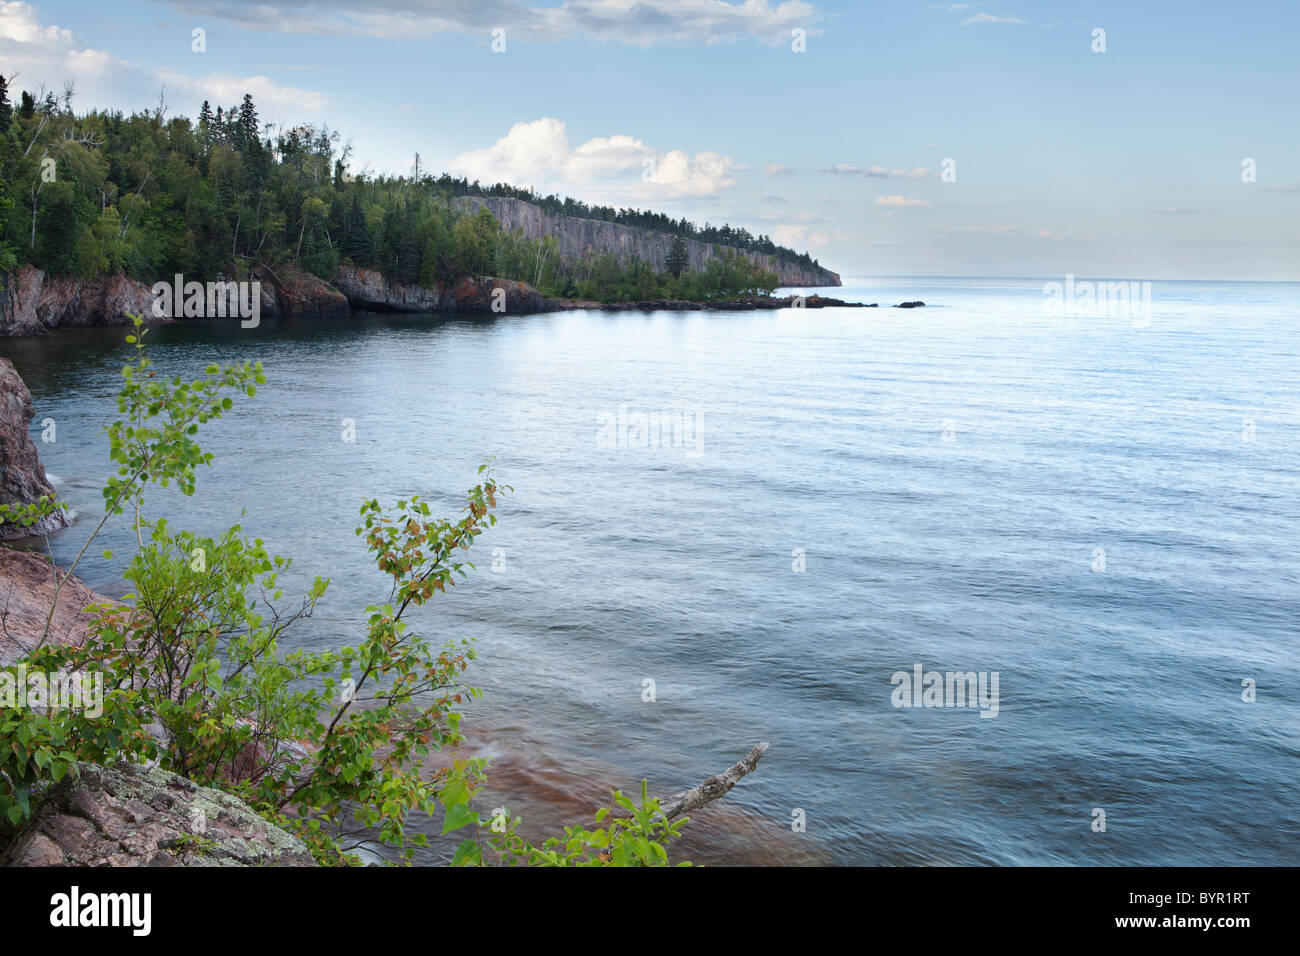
<point>989,18</point>
<point>222,89</point>
<point>50,55</point>
<point>799,237</point>
<point>902,202</point>
<point>777,169</point>
<point>616,168</point>
<point>47,54</point>
<point>879,172</point>
<point>641,23</point>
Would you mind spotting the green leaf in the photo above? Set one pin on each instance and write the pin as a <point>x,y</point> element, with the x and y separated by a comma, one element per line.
<point>458,815</point>
<point>467,854</point>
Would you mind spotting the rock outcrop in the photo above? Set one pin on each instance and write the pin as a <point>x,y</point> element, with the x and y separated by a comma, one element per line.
<point>368,291</point>
<point>293,293</point>
<point>27,581</point>
<point>578,237</point>
<point>32,303</point>
<point>22,476</point>
<point>130,815</point>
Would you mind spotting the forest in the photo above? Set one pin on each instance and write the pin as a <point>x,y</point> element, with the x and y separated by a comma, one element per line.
<point>148,195</point>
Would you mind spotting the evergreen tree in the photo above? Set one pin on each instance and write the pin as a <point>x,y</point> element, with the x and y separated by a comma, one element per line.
<point>6,110</point>
<point>356,236</point>
<point>205,124</point>
<point>678,261</point>
<point>245,134</point>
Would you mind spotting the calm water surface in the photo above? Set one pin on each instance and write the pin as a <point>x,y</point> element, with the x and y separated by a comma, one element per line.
<point>949,474</point>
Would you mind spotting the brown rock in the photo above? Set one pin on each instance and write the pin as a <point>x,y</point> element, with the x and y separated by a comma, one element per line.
<point>32,303</point>
<point>27,583</point>
<point>368,290</point>
<point>299,293</point>
<point>22,476</point>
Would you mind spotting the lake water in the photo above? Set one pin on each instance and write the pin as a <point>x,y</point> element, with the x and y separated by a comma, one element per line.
<point>951,480</point>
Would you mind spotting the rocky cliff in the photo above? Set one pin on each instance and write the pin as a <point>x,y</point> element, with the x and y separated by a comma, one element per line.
<point>292,292</point>
<point>32,303</point>
<point>22,476</point>
<point>577,237</point>
<point>367,290</point>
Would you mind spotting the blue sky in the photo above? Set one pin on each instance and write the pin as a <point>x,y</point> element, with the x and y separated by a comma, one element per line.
<point>1123,163</point>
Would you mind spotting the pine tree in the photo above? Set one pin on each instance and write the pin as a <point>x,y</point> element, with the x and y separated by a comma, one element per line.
<point>678,260</point>
<point>356,237</point>
<point>205,124</point>
<point>246,125</point>
<point>6,111</point>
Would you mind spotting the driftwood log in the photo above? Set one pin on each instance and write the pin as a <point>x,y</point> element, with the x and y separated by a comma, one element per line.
<point>710,789</point>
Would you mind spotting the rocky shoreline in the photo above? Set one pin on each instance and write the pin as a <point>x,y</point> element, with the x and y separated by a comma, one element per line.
<point>120,815</point>
<point>22,477</point>
<point>32,303</point>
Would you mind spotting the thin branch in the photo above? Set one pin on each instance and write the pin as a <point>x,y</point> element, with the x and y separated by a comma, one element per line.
<point>716,786</point>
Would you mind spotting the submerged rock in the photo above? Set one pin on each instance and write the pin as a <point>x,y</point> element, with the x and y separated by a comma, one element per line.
<point>130,815</point>
<point>910,305</point>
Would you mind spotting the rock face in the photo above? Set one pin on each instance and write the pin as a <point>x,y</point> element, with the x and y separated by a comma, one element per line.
<point>28,580</point>
<point>22,477</point>
<point>577,237</point>
<point>129,815</point>
<point>32,303</point>
<point>367,290</point>
<point>294,293</point>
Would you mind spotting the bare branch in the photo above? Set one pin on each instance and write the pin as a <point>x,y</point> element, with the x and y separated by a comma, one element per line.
<point>716,786</point>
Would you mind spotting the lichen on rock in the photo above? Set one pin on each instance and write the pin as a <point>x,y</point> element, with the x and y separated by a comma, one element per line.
<point>133,815</point>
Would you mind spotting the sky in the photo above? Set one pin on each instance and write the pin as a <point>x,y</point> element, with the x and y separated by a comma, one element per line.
<point>885,138</point>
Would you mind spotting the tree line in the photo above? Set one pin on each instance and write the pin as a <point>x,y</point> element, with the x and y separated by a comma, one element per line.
<point>148,195</point>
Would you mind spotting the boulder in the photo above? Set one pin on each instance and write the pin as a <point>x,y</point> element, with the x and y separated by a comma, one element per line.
<point>22,476</point>
<point>479,293</point>
<point>131,815</point>
<point>910,305</point>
